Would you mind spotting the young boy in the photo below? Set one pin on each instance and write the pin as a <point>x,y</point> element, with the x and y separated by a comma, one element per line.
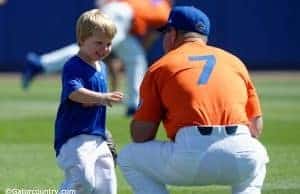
<point>80,123</point>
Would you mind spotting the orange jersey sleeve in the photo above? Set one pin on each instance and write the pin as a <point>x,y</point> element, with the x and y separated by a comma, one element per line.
<point>152,109</point>
<point>253,107</point>
<point>197,84</point>
<point>148,14</point>
<point>253,104</point>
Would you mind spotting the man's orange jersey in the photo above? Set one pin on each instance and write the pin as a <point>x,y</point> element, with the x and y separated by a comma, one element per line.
<point>197,84</point>
<point>148,14</point>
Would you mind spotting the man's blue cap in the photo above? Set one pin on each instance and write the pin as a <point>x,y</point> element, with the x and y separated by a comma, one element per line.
<point>189,19</point>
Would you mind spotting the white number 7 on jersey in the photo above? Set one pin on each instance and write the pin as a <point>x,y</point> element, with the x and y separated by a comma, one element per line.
<point>207,69</point>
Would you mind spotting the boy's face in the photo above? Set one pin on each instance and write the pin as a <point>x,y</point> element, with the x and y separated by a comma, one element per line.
<point>96,47</point>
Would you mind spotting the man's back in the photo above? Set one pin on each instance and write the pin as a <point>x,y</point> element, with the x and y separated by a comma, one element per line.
<point>205,99</point>
<point>203,85</point>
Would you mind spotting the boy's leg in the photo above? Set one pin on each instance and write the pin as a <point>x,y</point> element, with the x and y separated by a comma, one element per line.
<point>88,165</point>
<point>72,162</point>
<point>75,180</point>
<point>105,178</point>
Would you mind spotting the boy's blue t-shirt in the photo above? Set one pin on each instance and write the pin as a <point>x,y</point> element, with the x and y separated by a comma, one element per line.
<point>72,118</point>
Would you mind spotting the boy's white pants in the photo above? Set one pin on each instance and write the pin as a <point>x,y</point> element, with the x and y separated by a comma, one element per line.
<point>88,166</point>
<point>193,159</point>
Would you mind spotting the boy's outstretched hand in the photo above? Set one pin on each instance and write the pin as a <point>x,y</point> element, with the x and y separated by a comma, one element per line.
<point>112,97</point>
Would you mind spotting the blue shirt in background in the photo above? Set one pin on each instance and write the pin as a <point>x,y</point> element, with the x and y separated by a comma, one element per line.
<point>72,118</point>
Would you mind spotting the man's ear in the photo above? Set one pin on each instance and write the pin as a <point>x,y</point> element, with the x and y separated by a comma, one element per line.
<point>173,37</point>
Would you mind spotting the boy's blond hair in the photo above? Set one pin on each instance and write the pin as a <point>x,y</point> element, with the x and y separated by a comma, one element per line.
<point>91,21</point>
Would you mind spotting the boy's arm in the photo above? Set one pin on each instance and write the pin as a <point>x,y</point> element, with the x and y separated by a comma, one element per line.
<point>85,96</point>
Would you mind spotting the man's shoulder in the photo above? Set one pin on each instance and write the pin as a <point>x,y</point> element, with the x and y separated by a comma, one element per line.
<point>166,60</point>
<point>224,54</point>
<point>168,65</point>
<point>221,51</point>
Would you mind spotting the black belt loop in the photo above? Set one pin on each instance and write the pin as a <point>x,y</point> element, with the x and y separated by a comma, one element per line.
<point>230,130</point>
<point>205,130</point>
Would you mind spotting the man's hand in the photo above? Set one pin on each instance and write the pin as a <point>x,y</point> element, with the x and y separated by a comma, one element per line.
<point>256,126</point>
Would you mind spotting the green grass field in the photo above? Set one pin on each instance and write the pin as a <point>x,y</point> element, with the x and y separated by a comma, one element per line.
<point>26,133</point>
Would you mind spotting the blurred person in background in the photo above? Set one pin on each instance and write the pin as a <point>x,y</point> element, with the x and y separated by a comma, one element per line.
<point>136,22</point>
<point>2,2</point>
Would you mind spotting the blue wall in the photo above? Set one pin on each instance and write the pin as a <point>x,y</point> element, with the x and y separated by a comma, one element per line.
<point>36,25</point>
<point>263,33</point>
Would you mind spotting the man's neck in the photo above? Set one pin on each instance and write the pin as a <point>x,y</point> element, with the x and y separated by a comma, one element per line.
<point>191,37</point>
